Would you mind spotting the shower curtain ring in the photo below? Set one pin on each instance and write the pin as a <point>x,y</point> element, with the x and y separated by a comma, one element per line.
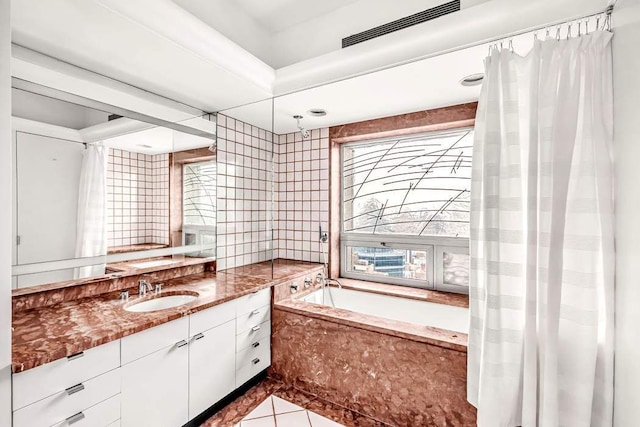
<point>569,31</point>
<point>511,45</point>
<point>558,33</point>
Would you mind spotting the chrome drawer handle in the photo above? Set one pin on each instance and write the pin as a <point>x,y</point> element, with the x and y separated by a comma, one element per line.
<point>255,328</point>
<point>75,418</point>
<point>255,344</point>
<point>198,336</point>
<point>255,312</point>
<point>75,356</point>
<point>74,389</point>
<point>181,343</point>
<point>255,361</point>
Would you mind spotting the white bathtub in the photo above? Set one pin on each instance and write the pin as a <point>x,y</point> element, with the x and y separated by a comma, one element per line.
<point>403,309</point>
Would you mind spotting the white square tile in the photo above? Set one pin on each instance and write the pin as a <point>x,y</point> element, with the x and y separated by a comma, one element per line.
<point>320,421</point>
<point>259,422</point>
<point>281,406</point>
<point>293,419</point>
<point>265,409</point>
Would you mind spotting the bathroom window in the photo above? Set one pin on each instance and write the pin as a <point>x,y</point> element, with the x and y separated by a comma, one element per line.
<point>405,210</point>
<point>199,204</point>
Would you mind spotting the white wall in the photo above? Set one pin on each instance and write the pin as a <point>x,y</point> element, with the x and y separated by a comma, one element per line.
<point>5,214</point>
<point>626,71</point>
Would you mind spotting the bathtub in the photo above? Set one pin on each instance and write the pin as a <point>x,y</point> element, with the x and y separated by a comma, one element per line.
<point>423,313</point>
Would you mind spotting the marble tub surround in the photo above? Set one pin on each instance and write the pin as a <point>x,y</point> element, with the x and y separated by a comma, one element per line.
<point>424,334</point>
<point>393,379</point>
<point>280,269</point>
<point>251,410</point>
<point>49,333</point>
<point>54,293</point>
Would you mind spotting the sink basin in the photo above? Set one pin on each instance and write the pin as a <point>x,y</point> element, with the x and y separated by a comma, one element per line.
<point>160,303</point>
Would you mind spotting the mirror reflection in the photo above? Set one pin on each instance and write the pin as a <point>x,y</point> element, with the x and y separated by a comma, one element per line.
<point>99,194</point>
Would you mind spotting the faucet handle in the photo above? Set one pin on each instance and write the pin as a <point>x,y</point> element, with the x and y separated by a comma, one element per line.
<point>158,288</point>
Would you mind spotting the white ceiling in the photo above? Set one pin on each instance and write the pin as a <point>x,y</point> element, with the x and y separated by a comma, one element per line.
<point>279,15</point>
<point>178,50</point>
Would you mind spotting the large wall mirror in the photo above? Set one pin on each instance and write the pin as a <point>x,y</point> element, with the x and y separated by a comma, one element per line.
<point>97,193</point>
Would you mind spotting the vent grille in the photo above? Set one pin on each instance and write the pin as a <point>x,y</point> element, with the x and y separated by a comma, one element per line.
<point>402,23</point>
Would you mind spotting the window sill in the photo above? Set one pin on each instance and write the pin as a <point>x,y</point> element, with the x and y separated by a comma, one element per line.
<point>448,298</point>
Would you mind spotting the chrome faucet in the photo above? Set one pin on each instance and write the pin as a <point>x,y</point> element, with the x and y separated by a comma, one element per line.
<point>143,287</point>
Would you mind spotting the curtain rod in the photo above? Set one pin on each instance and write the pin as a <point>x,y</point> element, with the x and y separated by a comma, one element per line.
<point>607,12</point>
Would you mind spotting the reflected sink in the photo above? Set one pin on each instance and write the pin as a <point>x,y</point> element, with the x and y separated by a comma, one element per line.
<point>160,303</point>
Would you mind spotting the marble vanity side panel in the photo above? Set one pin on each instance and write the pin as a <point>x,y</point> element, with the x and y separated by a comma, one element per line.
<point>395,380</point>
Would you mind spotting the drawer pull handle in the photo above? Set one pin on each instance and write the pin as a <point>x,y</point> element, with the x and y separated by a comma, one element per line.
<point>255,344</point>
<point>255,312</point>
<point>74,389</point>
<point>255,361</point>
<point>75,356</point>
<point>255,292</point>
<point>181,343</point>
<point>255,328</point>
<point>198,336</point>
<point>75,418</point>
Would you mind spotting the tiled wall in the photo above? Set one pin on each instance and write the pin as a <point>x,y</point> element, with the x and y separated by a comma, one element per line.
<point>245,193</point>
<point>302,195</point>
<point>260,185</point>
<point>137,198</point>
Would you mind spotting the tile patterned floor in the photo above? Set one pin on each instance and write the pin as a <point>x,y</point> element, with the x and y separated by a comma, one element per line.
<point>277,412</point>
<point>274,404</point>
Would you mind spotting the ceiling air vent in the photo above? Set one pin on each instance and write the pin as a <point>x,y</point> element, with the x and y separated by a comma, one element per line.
<point>402,23</point>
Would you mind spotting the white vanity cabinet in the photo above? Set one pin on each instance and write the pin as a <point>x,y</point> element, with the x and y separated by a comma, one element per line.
<point>155,382</point>
<point>253,335</point>
<point>212,356</point>
<point>163,376</point>
<point>80,390</point>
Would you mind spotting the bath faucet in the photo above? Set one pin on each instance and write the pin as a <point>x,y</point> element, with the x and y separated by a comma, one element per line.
<point>143,287</point>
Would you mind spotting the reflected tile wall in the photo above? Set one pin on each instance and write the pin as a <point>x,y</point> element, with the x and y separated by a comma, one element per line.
<point>137,198</point>
<point>244,193</point>
<point>302,195</point>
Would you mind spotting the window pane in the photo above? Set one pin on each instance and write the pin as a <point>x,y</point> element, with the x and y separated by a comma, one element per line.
<point>416,185</point>
<point>389,262</point>
<point>199,194</point>
<point>456,269</point>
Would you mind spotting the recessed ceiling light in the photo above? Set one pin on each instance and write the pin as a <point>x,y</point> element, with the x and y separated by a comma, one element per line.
<point>472,80</point>
<point>317,112</point>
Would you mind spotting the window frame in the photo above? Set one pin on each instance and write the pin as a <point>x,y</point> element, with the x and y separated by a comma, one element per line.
<point>199,231</point>
<point>437,245</point>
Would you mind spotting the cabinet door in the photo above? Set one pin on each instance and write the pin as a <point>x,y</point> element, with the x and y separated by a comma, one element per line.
<point>211,366</point>
<point>155,387</point>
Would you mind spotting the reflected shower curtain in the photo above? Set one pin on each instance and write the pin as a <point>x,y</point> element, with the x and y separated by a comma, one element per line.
<point>91,229</point>
<point>542,254</point>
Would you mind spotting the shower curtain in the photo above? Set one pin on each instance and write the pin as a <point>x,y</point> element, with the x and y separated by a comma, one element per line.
<point>542,255</point>
<point>91,231</point>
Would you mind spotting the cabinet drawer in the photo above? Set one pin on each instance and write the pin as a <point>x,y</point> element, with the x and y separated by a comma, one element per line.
<point>211,317</point>
<point>103,414</point>
<point>256,350</point>
<point>252,301</point>
<point>146,342</point>
<point>38,383</point>
<point>248,320</point>
<point>256,365</point>
<point>252,335</point>
<point>62,405</point>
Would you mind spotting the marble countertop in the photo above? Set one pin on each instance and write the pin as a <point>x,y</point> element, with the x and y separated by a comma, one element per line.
<point>42,335</point>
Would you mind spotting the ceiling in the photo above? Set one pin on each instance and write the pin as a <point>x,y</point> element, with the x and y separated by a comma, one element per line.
<point>215,55</point>
<point>279,15</point>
